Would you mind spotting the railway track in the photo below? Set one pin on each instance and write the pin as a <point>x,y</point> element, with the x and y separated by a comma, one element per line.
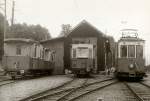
<point>87,90</point>
<point>6,81</point>
<point>141,91</point>
<point>9,81</point>
<point>60,89</point>
<point>63,93</point>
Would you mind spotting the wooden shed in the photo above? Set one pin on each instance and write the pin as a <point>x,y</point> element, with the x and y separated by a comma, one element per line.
<point>84,32</point>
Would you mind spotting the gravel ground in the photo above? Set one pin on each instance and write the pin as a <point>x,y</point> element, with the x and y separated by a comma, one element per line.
<point>95,78</point>
<point>115,92</point>
<point>4,78</point>
<point>147,79</point>
<point>24,88</point>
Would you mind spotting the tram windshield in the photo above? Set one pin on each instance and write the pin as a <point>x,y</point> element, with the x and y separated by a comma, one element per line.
<point>82,52</point>
<point>123,51</point>
<point>131,51</point>
<point>139,51</point>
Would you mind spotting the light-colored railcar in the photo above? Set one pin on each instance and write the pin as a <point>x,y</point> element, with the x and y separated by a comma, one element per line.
<point>130,57</point>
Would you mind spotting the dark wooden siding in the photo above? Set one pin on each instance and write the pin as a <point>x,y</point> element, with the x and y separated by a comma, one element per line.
<point>1,41</point>
<point>83,31</point>
<point>87,31</point>
<point>101,53</point>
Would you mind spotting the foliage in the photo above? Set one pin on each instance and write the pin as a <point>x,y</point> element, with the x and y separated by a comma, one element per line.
<point>35,32</point>
<point>66,28</point>
<point>2,24</point>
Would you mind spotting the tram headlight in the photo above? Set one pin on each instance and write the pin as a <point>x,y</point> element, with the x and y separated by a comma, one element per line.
<point>131,66</point>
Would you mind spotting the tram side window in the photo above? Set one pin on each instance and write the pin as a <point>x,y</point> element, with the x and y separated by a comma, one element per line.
<point>123,51</point>
<point>90,53</point>
<point>18,50</point>
<point>73,53</point>
<point>131,51</point>
<point>139,51</point>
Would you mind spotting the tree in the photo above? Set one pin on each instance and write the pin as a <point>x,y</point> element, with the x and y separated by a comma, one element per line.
<point>35,32</point>
<point>66,28</point>
<point>2,34</point>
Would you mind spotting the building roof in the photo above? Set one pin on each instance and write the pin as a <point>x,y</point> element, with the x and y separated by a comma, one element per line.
<point>19,40</point>
<point>86,28</point>
<point>54,39</point>
<point>82,26</point>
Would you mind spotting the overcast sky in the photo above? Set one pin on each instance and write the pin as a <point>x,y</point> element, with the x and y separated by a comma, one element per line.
<point>109,16</point>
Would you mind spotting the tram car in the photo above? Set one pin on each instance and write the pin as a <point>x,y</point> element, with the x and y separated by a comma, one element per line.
<point>130,57</point>
<point>82,59</point>
<point>25,57</point>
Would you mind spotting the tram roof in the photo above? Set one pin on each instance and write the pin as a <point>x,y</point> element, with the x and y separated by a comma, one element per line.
<point>129,29</point>
<point>8,40</point>
<point>130,39</point>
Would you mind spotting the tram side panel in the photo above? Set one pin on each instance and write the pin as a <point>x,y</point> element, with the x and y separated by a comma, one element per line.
<point>82,66</point>
<point>41,66</point>
<point>24,65</point>
<point>16,64</point>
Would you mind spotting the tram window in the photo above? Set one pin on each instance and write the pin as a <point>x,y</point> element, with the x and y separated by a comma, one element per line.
<point>90,53</point>
<point>131,51</point>
<point>82,52</point>
<point>74,53</point>
<point>123,51</point>
<point>139,51</point>
<point>18,50</point>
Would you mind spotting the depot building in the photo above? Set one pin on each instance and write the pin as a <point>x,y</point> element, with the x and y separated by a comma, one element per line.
<point>83,33</point>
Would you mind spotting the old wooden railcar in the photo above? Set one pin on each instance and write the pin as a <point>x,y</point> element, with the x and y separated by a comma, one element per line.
<point>25,57</point>
<point>130,58</point>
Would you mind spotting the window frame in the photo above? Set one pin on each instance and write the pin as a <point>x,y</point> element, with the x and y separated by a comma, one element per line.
<point>18,50</point>
<point>129,51</point>
<point>76,55</point>
<point>142,51</point>
<point>126,51</point>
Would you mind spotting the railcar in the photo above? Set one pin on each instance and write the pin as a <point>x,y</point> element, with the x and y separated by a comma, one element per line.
<point>26,58</point>
<point>130,55</point>
<point>82,59</point>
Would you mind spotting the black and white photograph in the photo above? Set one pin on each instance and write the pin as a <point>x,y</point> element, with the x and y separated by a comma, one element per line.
<point>74,50</point>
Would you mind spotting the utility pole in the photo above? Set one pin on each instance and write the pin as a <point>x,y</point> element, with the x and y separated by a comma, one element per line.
<point>3,34</point>
<point>12,19</point>
<point>5,17</point>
